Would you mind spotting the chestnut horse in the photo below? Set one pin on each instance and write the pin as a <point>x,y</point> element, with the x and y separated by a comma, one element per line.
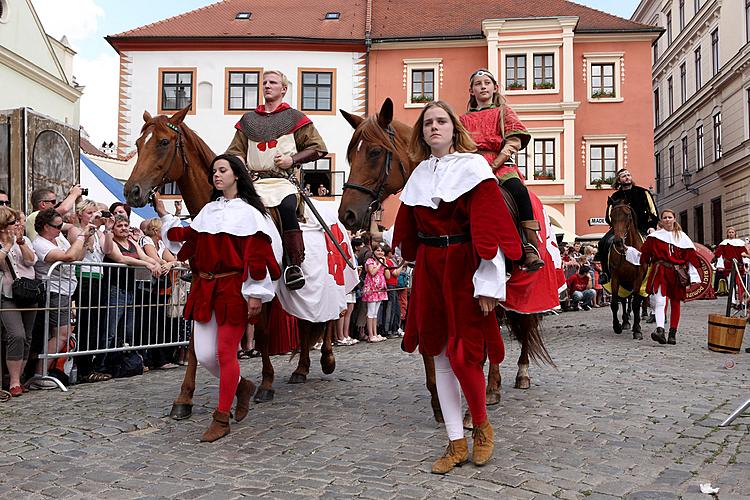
<point>379,167</point>
<point>168,150</point>
<point>624,274</point>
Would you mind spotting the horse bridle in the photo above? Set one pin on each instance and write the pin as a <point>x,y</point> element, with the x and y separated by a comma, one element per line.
<point>625,237</point>
<point>385,172</point>
<point>180,148</point>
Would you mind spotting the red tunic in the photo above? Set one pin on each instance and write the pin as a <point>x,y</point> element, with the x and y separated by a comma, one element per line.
<point>655,250</point>
<point>222,253</point>
<point>729,252</point>
<point>442,307</point>
<point>489,132</point>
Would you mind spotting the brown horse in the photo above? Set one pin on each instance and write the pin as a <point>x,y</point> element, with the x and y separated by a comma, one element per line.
<point>379,167</point>
<point>624,274</point>
<point>168,150</point>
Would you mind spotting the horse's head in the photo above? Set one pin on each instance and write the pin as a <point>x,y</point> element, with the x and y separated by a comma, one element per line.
<point>161,157</point>
<point>378,164</point>
<point>622,218</point>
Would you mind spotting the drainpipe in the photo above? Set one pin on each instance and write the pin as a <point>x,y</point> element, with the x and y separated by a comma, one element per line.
<point>368,46</point>
<point>24,147</point>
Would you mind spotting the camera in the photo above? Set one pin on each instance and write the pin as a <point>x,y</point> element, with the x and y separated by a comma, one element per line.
<point>84,191</point>
<point>106,214</point>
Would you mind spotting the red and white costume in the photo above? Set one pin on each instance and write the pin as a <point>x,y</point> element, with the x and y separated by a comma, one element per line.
<point>663,250</point>
<point>227,236</point>
<point>728,250</point>
<point>455,195</point>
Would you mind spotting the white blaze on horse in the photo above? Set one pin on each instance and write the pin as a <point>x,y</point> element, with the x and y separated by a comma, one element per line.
<point>379,167</point>
<point>168,150</point>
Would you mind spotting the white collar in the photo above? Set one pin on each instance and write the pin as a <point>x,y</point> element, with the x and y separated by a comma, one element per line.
<point>734,242</point>
<point>445,179</point>
<point>233,216</point>
<point>683,241</point>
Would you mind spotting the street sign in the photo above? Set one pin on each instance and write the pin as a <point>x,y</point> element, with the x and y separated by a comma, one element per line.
<point>597,221</point>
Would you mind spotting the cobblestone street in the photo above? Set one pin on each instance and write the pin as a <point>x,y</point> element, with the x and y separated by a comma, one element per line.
<point>616,418</point>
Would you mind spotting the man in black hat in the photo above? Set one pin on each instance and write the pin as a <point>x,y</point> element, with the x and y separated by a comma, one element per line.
<point>644,208</point>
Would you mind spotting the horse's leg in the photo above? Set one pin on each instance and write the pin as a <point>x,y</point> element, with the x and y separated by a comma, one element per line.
<point>306,334</point>
<point>182,407</point>
<point>494,384</point>
<point>626,307</point>
<point>523,381</point>
<point>327,359</point>
<point>637,299</point>
<point>429,373</point>
<point>614,304</point>
<point>265,390</point>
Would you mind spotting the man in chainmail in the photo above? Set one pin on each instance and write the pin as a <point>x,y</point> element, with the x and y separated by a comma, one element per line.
<point>274,140</point>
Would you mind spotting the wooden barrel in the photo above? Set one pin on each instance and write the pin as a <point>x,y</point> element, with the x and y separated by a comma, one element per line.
<point>725,333</point>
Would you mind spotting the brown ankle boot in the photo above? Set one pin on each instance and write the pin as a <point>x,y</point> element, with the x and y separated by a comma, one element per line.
<point>456,454</point>
<point>484,443</point>
<point>245,390</point>
<point>532,260</point>
<point>218,428</point>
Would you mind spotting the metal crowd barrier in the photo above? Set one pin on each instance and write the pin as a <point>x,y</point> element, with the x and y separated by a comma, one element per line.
<point>113,308</point>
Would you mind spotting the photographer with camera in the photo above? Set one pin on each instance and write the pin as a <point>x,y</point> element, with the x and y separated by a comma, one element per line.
<point>44,198</point>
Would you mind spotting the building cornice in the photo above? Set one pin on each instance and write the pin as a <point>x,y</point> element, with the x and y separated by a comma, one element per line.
<point>40,76</point>
<point>685,38</point>
<point>128,44</point>
<point>564,107</point>
<point>428,44</point>
<point>560,198</point>
<point>525,25</point>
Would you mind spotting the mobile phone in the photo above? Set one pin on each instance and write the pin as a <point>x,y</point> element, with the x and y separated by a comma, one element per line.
<point>106,214</point>
<point>84,191</point>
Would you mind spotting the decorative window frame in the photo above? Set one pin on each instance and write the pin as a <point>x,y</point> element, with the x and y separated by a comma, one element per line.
<point>228,111</point>
<point>621,141</point>
<point>334,185</point>
<point>193,91</point>
<point>616,58</point>
<point>700,147</point>
<point>529,50</point>
<point>300,90</point>
<point>435,64</point>
<point>548,133</point>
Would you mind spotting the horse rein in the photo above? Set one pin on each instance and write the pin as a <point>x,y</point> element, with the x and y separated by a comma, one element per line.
<point>625,237</point>
<point>180,148</point>
<point>385,172</point>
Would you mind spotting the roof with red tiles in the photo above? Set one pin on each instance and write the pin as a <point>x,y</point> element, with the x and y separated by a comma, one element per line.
<point>90,149</point>
<point>269,18</point>
<point>404,19</point>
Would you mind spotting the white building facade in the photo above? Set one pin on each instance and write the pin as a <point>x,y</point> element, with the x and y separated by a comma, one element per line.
<point>701,85</point>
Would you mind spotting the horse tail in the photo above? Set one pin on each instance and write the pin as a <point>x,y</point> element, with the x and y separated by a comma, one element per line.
<point>527,330</point>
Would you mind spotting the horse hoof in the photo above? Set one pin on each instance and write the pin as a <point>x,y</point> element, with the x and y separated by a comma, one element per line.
<point>181,411</point>
<point>626,326</point>
<point>297,378</point>
<point>468,423</point>
<point>617,328</point>
<point>264,395</point>
<point>328,366</point>
<point>438,414</point>
<point>637,335</point>
<point>523,383</point>
<point>492,397</point>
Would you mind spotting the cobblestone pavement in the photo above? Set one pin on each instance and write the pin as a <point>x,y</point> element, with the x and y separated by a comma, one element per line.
<point>617,418</point>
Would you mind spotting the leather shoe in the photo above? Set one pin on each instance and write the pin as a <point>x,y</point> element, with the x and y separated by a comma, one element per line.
<point>16,391</point>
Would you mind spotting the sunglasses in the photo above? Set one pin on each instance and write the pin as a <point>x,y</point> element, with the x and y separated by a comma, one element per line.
<point>50,201</point>
<point>56,226</point>
<point>12,222</point>
<point>5,203</point>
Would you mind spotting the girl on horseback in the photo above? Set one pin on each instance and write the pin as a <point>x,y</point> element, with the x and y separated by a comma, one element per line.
<point>454,223</point>
<point>674,265</point>
<point>229,246</point>
<point>499,135</point>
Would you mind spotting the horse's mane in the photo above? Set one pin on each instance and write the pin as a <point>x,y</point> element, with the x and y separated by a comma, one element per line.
<point>371,132</point>
<point>190,137</point>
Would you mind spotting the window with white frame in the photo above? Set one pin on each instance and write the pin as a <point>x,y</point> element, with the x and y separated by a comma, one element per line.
<point>681,14</point>
<point>603,70</point>
<point>698,68</point>
<point>683,83</point>
<point>669,28</point>
<point>671,165</point>
<point>530,70</point>
<point>544,160</point>
<point>657,110</point>
<point>657,162</point>
<point>604,157</point>
<point>521,163</point>
<point>684,144</point>
<point>699,155</point>
<point>717,136</point>
<point>670,95</point>
<point>515,72</point>
<point>715,51</point>
<point>320,179</point>
<point>422,79</point>
<point>603,80</point>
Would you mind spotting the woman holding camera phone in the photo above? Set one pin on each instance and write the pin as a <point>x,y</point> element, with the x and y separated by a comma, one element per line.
<point>16,251</point>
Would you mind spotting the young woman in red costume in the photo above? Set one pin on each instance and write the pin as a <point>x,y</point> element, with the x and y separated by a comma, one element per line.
<point>231,252</point>
<point>664,250</point>
<point>732,248</point>
<point>454,224</point>
<point>499,135</point>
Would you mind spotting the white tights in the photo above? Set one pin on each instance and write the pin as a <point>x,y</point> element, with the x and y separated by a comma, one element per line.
<point>449,392</point>
<point>204,335</point>
<point>660,308</point>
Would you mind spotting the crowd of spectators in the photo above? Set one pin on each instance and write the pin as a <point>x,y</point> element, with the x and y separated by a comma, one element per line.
<point>91,306</point>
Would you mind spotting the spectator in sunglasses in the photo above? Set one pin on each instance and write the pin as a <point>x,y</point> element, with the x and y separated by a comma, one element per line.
<point>4,200</point>
<point>44,198</point>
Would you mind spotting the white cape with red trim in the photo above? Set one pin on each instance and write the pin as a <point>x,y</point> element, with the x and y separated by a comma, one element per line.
<point>734,242</point>
<point>681,241</point>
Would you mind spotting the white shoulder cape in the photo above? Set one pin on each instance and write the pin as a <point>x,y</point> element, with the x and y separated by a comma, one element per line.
<point>668,237</point>
<point>445,179</point>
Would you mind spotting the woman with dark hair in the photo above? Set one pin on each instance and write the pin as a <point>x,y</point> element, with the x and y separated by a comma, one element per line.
<point>454,225</point>
<point>234,252</point>
<point>671,253</point>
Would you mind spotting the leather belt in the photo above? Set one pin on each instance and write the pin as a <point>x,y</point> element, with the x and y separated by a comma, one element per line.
<point>212,276</point>
<point>444,240</point>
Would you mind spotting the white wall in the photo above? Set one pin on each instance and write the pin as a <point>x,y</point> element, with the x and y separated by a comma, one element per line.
<point>216,128</point>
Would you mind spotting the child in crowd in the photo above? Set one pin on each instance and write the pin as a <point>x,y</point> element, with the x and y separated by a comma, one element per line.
<point>374,291</point>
